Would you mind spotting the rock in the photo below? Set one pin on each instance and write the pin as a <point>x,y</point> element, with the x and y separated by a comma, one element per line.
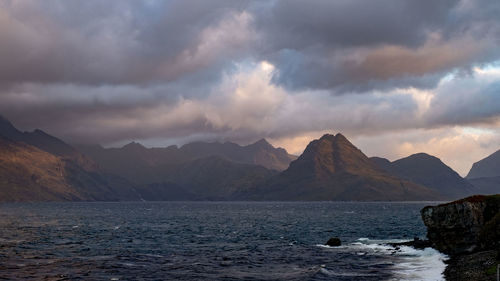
<point>417,243</point>
<point>476,266</point>
<point>333,242</point>
<point>464,226</point>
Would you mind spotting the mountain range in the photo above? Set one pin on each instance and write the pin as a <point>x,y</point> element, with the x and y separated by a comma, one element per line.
<point>332,168</point>
<point>35,166</point>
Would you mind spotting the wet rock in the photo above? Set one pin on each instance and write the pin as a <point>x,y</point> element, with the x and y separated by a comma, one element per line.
<point>468,230</point>
<point>464,226</point>
<point>417,243</point>
<point>333,242</point>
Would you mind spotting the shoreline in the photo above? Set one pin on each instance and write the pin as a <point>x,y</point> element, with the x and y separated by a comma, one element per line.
<point>468,231</point>
<point>466,266</point>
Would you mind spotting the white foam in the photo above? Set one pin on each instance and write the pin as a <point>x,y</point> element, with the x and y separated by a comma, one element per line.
<point>426,264</point>
<point>409,263</point>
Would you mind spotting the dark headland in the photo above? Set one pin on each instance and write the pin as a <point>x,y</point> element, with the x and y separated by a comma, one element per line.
<point>468,231</point>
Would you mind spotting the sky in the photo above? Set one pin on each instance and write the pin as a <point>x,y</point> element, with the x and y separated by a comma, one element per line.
<point>395,76</point>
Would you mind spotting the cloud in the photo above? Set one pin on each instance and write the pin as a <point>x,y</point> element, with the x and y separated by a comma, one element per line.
<point>125,42</point>
<point>458,147</point>
<point>165,72</point>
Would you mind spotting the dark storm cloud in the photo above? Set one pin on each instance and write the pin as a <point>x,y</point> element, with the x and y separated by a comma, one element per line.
<point>360,45</point>
<point>107,71</point>
<point>338,45</point>
<point>109,42</point>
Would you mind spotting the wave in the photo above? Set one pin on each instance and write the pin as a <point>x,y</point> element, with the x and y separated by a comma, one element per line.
<point>407,263</point>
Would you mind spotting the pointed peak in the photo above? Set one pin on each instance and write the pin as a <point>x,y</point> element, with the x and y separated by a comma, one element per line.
<point>339,136</point>
<point>5,122</point>
<point>133,145</point>
<point>8,130</point>
<point>262,144</point>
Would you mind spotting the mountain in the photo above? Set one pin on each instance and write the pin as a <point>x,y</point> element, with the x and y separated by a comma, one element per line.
<point>332,168</point>
<point>209,178</point>
<point>485,174</point>
<point>143,165</point>
<point>429,171</point>
<point>28,173</point>
<point>45,142</point>
<point>35,166</point>
<point>485,168</point>
<point>486,185</point>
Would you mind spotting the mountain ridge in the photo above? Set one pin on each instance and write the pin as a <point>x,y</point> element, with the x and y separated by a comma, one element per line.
<point>332,168</point>
<point>429,171</point>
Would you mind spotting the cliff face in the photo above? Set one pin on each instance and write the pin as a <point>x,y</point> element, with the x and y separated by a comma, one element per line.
<point>464,226</point>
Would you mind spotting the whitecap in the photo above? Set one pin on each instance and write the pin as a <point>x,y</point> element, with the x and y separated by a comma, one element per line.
<point>408,263</point>
<point>426,264</point>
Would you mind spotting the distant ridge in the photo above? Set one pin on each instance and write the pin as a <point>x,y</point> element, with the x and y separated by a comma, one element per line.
<point>143,165</point>
<point>45,142</point>
<point>429,171</point>
<point>35,166</point>
<point>487,167</point>
<point>485,174</point>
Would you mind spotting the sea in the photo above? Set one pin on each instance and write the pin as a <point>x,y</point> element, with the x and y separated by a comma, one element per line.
<point>214,241</point>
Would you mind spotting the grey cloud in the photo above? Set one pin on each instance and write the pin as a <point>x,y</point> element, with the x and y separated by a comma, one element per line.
<point>465,103</point>
<point>348,46</point>
<point>107,71</point>
<point>111,42</point>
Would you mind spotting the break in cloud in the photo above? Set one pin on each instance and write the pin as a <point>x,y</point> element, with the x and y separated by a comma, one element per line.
<point>397,77</point>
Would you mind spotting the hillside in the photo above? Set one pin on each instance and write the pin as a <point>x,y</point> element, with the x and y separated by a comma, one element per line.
<point>332,168</point>
<point>487,167</point>
<point>429,171</point>
<point>144,165</point>
<point>31,174</point>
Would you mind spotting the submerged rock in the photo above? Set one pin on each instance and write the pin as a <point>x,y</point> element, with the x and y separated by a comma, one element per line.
<point>417,243</point>
<point>333,242</point>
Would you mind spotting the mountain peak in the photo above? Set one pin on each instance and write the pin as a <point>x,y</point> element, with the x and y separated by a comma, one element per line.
<point>8,130</point>
<point>332,154</point>
<point>133,145</point>
<point>327,137</point>
<point>334,138</point>
<point>262,143</point>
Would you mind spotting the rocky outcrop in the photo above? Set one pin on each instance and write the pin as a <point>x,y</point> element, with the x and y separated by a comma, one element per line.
<point>468,230</point>
<point>464,226</point>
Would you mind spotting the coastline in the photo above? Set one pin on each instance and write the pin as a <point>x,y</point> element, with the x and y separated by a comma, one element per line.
<point>468,231</point>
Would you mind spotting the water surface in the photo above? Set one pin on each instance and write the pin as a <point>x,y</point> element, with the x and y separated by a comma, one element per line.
<point>212,240</point>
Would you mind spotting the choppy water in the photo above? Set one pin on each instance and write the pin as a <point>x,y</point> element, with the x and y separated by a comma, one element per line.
<point>212,241</point>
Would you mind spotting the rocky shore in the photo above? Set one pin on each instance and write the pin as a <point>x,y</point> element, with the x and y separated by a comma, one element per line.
<point>468,231</point>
